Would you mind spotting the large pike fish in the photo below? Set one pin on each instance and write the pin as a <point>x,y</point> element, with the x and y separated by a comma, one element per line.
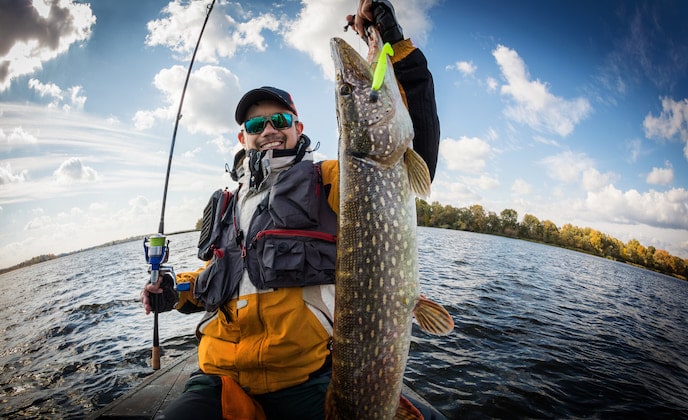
<point>377,289</point>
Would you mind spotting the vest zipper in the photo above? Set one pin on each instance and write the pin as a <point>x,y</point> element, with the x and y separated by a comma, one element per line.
<point>328,237</point>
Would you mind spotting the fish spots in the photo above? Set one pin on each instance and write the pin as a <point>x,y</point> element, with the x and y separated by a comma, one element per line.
<point>375,220</point>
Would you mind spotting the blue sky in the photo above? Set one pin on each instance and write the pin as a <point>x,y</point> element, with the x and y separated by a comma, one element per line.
<point>576,112</point>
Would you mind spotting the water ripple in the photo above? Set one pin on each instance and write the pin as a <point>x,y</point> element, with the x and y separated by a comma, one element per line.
<point>540,332</point>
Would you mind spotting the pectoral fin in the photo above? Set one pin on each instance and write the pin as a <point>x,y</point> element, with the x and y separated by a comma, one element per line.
<point>432,317</point>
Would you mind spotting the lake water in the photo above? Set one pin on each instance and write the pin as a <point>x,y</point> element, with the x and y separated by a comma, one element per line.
<point>540,332</point>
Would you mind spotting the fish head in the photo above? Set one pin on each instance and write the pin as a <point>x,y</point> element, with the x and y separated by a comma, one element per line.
<point>378,130</point>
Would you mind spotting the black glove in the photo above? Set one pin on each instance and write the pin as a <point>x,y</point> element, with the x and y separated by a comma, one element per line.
<point>165,301</point>
<point>386,21</point>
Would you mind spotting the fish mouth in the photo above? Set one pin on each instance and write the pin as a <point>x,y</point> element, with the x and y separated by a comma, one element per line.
<point>345,57</point>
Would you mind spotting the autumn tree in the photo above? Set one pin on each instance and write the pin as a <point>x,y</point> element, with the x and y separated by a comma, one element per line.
<point>509,222</point>
<point>531,228</point>
<point>550,232</point>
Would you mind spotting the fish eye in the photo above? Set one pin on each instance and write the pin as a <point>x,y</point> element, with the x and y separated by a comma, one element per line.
<point>345,89</point>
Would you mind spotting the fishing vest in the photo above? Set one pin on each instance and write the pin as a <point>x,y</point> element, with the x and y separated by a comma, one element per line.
<point>290,242</point>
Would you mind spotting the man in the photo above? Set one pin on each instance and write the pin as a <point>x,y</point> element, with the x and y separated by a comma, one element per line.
<point>269,286</point>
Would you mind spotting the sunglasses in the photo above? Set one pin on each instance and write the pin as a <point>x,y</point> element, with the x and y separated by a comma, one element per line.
<point>279,121</point>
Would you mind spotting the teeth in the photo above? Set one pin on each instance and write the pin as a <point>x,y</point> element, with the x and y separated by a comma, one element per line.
<point>270,145</point>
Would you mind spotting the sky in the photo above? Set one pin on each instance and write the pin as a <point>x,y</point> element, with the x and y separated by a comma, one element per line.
<point>574,112</point>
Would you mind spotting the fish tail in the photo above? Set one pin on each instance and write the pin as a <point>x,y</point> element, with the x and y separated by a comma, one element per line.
<point>407,411</point>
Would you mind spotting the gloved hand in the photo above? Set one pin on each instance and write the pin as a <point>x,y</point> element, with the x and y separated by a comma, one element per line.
<point>160,297</point>
<point>386,21</point>
<point>379,13</point>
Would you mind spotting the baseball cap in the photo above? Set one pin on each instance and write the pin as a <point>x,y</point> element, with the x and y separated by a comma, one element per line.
<point>262,94</point>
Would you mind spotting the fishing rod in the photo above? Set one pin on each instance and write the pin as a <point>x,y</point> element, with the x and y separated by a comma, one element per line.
<point>156,247</point>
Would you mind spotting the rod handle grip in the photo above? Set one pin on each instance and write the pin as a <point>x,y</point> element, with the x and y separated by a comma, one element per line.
<point>155,360</point>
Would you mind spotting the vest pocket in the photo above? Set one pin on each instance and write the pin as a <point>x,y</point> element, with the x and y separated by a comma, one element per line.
<point>295,259</point>
<point>213,286</point>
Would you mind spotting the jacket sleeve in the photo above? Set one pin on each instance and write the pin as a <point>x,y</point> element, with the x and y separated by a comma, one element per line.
<point>330,179</point>
<point>417,86</point>
<point>187,304</point>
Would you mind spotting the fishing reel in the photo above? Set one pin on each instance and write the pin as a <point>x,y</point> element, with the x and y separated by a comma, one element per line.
<point>156,249</point>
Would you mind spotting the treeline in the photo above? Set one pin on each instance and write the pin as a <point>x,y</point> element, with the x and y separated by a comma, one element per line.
<point>591,241</point>
<point>32,261</point>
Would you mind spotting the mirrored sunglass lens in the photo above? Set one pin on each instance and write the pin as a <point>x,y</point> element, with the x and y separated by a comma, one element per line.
<point>255,125</point>
<point>280,121</point>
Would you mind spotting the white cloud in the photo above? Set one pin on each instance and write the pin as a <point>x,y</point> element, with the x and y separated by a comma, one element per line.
<point>635,150</point>
<point>192,153</point>
<point>76,98</point>
<point>38,223</point>
<point>467,68</point>
<point>521,187</point>
<point>545,140</point>
<point>317,22</point>
<point>16,137</point>
<point>672,123</point>
<point>206,107</point>
<point>533,104</point>
<point>73,170</point>
<point>46,89</point>
<point>320,20</point>
<point>67,100</point>
<point>567,166</point>
<point>226,147</point>
<point>661,176</point>
<point>457,193</point>
<point>492,134</point>
<point>593,180</point>
<point>492,84</point>
<point>222,37</point>
<point>483,182</point>
<point>144,119</point>
<point>35,33</point>
<point>7,176</point>
<point>661,209</point>
<point>466,154</point>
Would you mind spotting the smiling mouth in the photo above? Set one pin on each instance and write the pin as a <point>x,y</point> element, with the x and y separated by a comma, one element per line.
<point>270,145</point>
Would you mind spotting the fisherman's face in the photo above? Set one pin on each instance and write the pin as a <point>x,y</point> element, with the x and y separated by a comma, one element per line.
<point>270,137</point>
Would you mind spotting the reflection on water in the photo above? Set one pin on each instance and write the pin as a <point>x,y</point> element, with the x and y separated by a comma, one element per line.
<point>540,332</point>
